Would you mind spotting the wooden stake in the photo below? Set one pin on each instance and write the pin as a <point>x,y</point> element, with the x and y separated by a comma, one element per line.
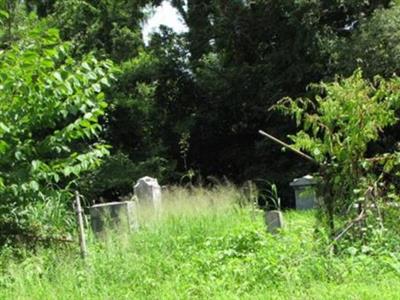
<point>288,146</point>
<point>79,212</point>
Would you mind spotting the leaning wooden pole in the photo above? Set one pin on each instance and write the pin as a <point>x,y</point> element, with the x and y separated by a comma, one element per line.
<point>79,212</point>
<point>288,146</point>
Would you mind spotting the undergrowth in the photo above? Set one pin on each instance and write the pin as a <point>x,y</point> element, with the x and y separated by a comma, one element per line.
<point>203,246</point>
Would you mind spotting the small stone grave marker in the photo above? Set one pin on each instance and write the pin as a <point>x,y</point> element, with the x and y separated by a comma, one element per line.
<point>304,189</point>
<point>147,190</point>
<point>117,216</point>
<point>274,220</point>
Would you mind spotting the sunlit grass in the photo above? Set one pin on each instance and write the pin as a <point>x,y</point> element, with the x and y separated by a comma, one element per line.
<point>203,245</point>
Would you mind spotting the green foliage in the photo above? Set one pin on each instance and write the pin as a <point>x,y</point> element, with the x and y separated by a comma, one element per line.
<point>41,7</point>
<point>14,22</point>
<point>245,56</point>
<point>332,122</point>
<point>110,28</point>
<point>374,46</point>
<point>50,107</point>
<point>337,126</point>
<point>195,101</point>
<point>117,174</point>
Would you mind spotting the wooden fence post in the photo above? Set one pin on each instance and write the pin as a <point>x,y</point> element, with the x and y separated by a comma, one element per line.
<point>79,212</point>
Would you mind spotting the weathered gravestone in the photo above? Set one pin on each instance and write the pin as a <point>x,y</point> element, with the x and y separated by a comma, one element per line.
<point>274,220</point>
<point>304,189</point>
<point>116,216</point>
<point>148,191</point>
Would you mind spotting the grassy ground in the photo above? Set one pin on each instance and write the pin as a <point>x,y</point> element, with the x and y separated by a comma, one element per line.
<point>203,246</point>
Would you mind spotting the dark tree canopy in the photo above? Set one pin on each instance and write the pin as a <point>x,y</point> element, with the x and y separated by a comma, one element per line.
<point>189,105</point>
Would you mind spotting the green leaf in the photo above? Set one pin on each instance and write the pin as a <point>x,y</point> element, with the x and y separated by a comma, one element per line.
<point>97,87</point>
<point>86,124</point>
<point>316,152</point>
<point>68,86</point>
<point>4,14</point>
<point>34,186</point>
<point>105,81</point>
<point>86,66</point>
<point>3,147</point>
<point>4,128</point>
<point>92,75</point>
<point>57,75</point>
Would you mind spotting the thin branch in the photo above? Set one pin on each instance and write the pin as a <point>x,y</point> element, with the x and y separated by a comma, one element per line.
<point>288,147</point>
<point>349,226</point>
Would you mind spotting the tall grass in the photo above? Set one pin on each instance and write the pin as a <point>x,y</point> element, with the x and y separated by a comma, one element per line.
<point>203,245</point>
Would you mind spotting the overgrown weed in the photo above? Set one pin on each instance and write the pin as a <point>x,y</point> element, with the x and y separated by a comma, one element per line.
<point>203,245</point>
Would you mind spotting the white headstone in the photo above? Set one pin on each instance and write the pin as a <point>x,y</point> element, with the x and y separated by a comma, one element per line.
<point>274,220</point>
<point>147,190</point>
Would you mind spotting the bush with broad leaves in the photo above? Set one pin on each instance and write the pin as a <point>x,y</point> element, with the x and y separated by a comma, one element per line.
<point>50,107</point>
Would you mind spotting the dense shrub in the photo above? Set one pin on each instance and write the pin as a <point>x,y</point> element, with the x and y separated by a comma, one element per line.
<point>336,128</point>
<point>50,106</point>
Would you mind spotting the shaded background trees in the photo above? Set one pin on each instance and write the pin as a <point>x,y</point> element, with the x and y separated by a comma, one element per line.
<point>191,103</point>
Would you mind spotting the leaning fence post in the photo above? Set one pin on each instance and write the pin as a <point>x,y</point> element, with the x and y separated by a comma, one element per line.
<point>79,211</point>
